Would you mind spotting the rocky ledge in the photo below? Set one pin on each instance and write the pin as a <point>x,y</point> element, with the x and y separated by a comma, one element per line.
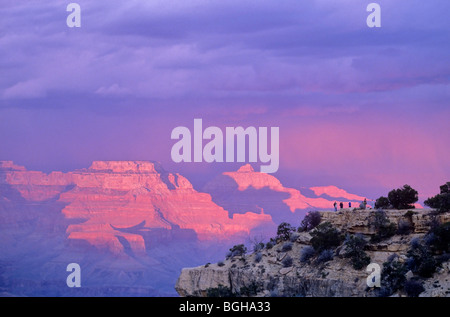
<point>267,273</point>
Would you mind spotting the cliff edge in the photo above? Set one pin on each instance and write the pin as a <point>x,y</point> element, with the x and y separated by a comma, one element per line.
<point>277,268</point>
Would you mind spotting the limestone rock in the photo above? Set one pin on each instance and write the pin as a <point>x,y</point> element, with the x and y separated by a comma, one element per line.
<point>281,256</point>
<point>336,277</point>
<point>196,281</point>
<point>359,221</point>
<point>285,270</point>
<point>304,238</point>
<point>128,204</point>
<point>409,275</point>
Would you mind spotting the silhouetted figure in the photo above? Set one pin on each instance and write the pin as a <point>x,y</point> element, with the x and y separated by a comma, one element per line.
<point>341,205</point>
<point>335,206</point>
<point>349,204</point>
<point>363,205</point>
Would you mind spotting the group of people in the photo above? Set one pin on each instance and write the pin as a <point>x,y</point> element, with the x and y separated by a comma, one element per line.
<point>341,204</point>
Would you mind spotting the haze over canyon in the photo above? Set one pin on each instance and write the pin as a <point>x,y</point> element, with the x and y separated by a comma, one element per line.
<point>132,226</point>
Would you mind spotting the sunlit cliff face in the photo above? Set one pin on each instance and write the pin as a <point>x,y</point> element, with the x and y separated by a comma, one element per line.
<point>133,203</point>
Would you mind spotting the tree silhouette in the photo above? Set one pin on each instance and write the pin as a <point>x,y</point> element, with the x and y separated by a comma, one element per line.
<point>403,198</point>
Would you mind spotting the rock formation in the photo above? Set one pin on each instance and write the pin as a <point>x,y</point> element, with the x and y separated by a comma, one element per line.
<point>130,223</point>
<point>263,273</point>
<point>109,199</point>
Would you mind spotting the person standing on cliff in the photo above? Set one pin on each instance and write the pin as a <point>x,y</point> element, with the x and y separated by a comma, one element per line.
<point>341,205</point>
<point>363,205</point>
<point>335,206</point>
<point>349,204</point>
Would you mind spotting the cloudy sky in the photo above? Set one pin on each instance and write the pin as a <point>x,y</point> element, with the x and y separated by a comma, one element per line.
<point>365,109</point>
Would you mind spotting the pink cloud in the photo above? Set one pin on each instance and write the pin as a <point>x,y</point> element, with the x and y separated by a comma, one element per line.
<point>335,192</point>
<point>390,154</point>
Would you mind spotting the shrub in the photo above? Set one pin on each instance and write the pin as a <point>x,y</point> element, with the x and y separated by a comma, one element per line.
<point>413,288</point>
<point>269,245</point>
<point>404,227</point>
<point>439,238</point>
<point>382,203</point>
<point>325,256</point>
<point>361,261</point>
<point>272,283</point>
<point>284,231</point>
<point>294,236</point>
<point>409,214</point>
<point>258,257</point>
<point>387,231</point>
<point>420,259</point>
<point>443,258</point>
<point>392,276</point>
<point>287,246</point>
<point>383,227</point>
<point>237,250</point>
<point>274,293</point>
<point>306,254</point>
<point>311,220</point>
<point>379,220</point>
<point>384,292</point>
<point>258,247</point>
<point>392,257</point>
<point>440,202</point>
<point>220,263</point>
<point>220,291</point>
<point>325,237</point>
<point>445,189</point>
<point>354,244</point>
<point>287,261</point>
<point>434,221</point>
<point>403,198</point>
<point>354,249</point>
<point>250,290</point>
<point>429,239</point>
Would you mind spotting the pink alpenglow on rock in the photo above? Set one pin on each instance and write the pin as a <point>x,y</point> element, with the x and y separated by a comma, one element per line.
<point>126,202</point>
<point>247,190</point>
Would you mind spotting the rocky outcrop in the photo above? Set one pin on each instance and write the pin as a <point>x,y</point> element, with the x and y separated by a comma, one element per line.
<point>439,285</point>
<point>358,221</point>
<point>266,273</point>
<point>196,281</point>
<point>270,278</point>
